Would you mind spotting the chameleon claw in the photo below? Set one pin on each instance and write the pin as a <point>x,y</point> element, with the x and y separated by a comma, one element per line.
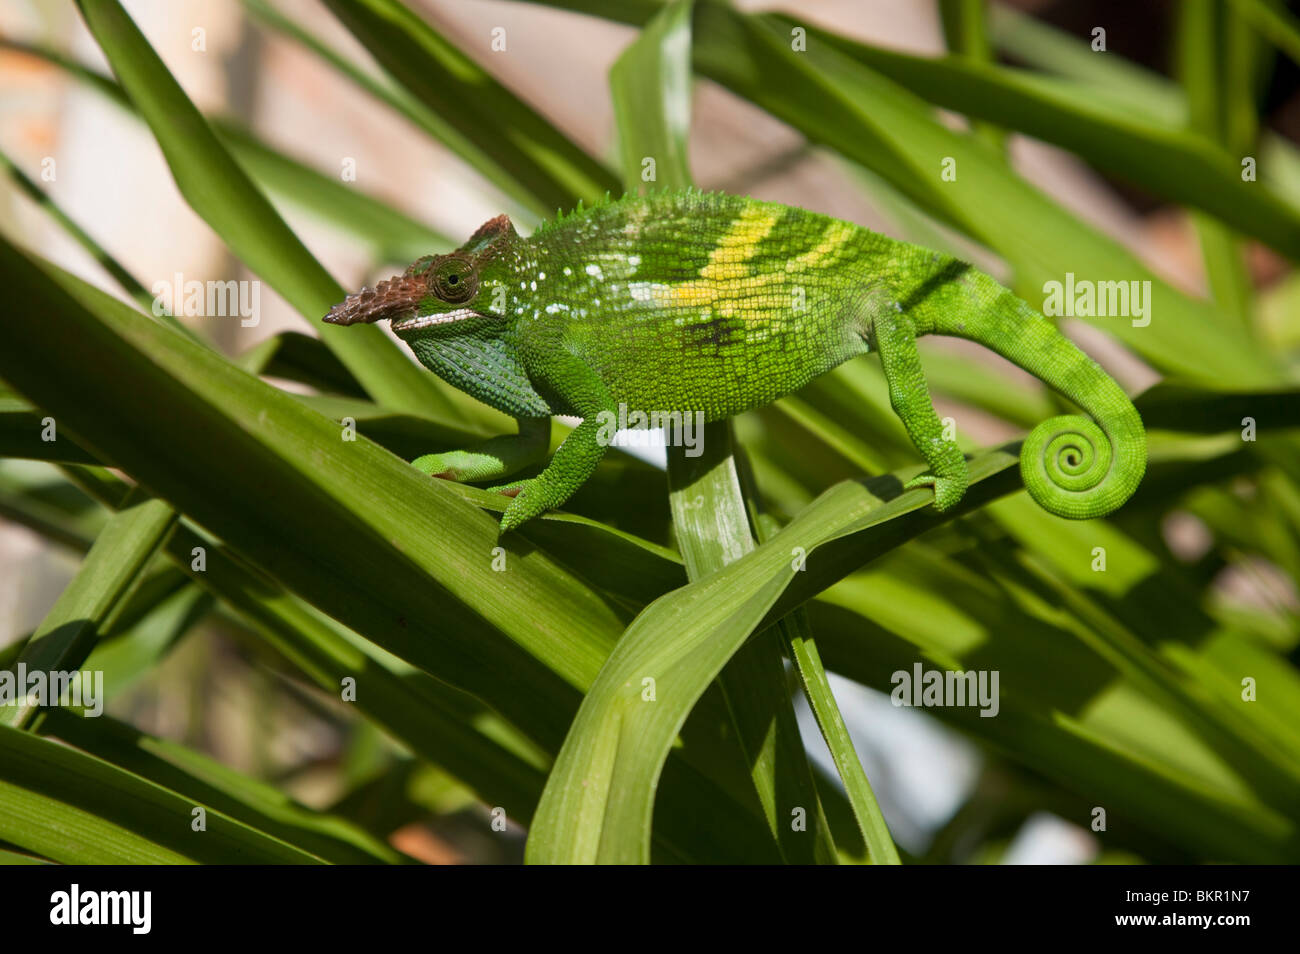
<point>947,490</point>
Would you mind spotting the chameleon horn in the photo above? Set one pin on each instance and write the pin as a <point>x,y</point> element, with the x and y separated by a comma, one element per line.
<point>396,298</point>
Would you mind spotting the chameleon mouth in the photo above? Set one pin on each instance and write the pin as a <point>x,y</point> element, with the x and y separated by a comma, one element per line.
<point>428,321</point>
<point>396,298</point>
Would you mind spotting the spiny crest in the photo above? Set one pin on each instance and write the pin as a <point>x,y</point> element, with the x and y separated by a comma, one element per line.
<point>627,198</point>
<point>487,238</point>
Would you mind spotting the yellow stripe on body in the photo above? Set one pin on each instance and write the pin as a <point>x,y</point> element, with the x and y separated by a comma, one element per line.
<point>727,276</point>
<point>836,234</point>
<point>728,258</point>
<point>727,280</point>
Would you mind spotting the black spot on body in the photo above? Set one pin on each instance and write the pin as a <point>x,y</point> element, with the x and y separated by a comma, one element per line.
<point>714,332</point>
<point>949,273</point>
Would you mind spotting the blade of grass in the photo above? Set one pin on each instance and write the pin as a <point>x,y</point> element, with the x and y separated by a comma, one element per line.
<point>73,625</point>
<point>125,280</point>
<point>500,125</point>
<point>1276,25</point>
<point>483,162</point>
<point>965,29</point>
<point>222,194</point>
<point>392,235</point>
<point>597,808</point>
<point>73,808</point>
<point>896,137</point>
<point>797,635</point>
<point>1214,65</point>
<point>396,557</point>
<point>203,780</point>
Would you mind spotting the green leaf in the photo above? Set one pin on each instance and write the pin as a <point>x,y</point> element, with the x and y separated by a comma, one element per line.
<point>70,630</point>
<point>21,429</point>
<point>392,235</point>
<point>651,87</point>
<point>502,129</point>
<point>869,118</point>
<point>203,780</point>
<point>73,808</point>
<point>402,560</point>
<point>597,808</point>
<point>221,192</point>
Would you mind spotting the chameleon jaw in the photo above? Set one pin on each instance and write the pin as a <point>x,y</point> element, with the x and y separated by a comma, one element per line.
<point>415,322</point>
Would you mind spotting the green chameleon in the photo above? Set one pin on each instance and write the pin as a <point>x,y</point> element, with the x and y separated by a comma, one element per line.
<point>689,301</point>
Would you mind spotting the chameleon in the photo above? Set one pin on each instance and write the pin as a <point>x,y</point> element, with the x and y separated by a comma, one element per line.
<point>714,303</point>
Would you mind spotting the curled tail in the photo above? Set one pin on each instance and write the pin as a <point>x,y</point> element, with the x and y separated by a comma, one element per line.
<point>1072,466</point>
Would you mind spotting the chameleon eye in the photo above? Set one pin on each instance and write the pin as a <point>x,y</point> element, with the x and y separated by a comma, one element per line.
<point>453,280</point>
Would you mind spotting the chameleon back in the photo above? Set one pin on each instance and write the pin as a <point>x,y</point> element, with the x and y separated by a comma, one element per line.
<point>752,300</point>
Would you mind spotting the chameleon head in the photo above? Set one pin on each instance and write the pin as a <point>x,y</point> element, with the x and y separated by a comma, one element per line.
<point>438,294</point>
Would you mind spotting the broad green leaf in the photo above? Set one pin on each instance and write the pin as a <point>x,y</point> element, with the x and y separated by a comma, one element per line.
<point>502,129</point>
<point>1213,53</point>
<point>1170,162</point>
<point>400,559</point>
<point>597,808</point>
<point>73,625</point>
<point>73,808</point>
<point>203,780</point>
<point>965,30</point>
<point>203,432</point>
<point>397,98</point>
<point>1064,712</point>
<point>221,192</point>
<point>393,235</point>
<point>21,430</point>
<point>651,85</point>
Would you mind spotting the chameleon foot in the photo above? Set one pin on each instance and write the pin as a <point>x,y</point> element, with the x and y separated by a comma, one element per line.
<point>947,490</point>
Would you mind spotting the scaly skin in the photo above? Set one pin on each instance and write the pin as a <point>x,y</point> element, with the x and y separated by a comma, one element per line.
<point>689,301</point>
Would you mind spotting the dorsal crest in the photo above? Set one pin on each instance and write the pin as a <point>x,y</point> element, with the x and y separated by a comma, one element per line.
<point>492,233</point>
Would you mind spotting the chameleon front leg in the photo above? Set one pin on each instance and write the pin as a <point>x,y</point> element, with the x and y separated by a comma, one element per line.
<point>495,458</point>
<point>895,337</point>
<point>575,460</point>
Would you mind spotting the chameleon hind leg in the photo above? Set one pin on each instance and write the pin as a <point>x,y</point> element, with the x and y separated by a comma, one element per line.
<point>895,338</point>
<point>495,458</point>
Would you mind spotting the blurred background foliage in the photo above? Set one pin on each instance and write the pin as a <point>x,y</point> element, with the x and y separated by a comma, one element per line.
<point>308,640</point>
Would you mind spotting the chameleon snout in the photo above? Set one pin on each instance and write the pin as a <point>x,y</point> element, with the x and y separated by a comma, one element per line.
<point>396,298</point>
